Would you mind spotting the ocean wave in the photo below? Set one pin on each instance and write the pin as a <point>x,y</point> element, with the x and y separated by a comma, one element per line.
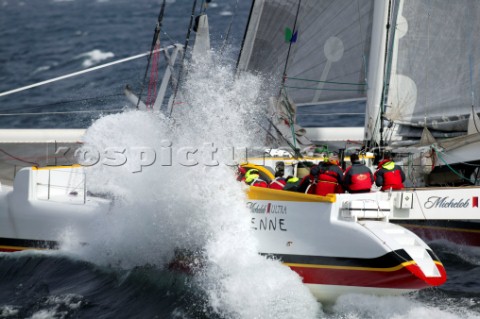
<point>226,13</point>
<point>94,57</point>
<point>41,69</point>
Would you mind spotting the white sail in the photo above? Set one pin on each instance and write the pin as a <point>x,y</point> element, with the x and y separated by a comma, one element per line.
<point>315,52</point>
<point>435,69</point>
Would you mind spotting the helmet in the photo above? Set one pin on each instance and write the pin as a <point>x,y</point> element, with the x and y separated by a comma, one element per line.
<point>279,166</point>
<point>251,175</point>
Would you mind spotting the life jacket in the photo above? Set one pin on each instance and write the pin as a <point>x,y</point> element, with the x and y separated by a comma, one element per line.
<point>278,183</point>
<point>292,184</point>
<point>360,182</point>
<point>325,183</point>
<point>360,178</point>
<point>392,180</point>
<point>258,182</point>
<point>392,176</point>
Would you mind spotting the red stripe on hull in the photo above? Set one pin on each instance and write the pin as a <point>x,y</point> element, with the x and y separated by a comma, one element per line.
<point>9,250</point>
<point>409,277</point>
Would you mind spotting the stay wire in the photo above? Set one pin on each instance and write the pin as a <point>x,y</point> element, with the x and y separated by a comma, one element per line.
<point>65,102</point>
<point>18,158</point>
<point>225,40</point>
<point>185,47</point>
<point>472,90</point>
<point>156,34</point>
<point>290,47</point>
<point>363,42</point>
<point>294,149</point>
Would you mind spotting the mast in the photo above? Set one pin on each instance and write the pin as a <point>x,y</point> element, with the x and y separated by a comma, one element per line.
<point>376,71</point>
<point>377,97</point>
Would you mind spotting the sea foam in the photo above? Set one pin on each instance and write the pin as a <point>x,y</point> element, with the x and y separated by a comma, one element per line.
<point>200,208</point>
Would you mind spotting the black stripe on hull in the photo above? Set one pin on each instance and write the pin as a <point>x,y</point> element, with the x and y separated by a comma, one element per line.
<point>391,259</point>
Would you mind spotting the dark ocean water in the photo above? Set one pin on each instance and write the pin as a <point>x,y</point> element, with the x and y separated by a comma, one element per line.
<point>56,285</point>
<point>42,39</point>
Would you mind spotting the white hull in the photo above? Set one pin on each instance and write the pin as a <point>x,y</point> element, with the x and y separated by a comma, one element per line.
<point>332,242</point>
<point>433,213</point>
<point>448,213</point>
<point>329,293</point>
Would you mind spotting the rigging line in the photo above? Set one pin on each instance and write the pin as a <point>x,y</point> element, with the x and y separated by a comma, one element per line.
<point>268,132</point>
<point>290,47</point>
<point>64,102</point>
<point>320,89</point>
<point>169,37</point>
<point>363,42</point>
<point>291,113</point>
<point>426,64</point>
<point>456,161</point>
<point>141,55</point>
<point>155,39</point>
<point>451,168</point>
<point>185,46</point>
<point>173,81</point>
<point>472,91</point>
<point>224,44</point>
<point>328,114</point>
<point>244,37</point>
<point>294,149</point>
<point>60,112</point>
<point>474,118</point>
<point>204,6</point>
<point>328,82</point>
<point>18,158</point>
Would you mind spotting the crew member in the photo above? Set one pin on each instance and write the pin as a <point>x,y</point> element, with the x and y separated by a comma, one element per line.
<point>325,178</point>
<point>279,182</point>
<point>358,177</point>
<point>241,171</point>
<point>292,183</point>
<point>252,178</point>
<point>389,175</point>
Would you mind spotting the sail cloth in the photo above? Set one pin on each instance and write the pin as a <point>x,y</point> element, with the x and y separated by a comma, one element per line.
<point>310,52</point>
<point>326,41</point>
<point>435,77</point>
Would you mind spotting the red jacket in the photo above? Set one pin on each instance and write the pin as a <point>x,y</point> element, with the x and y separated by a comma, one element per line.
<point>358,178</point>
<point>389,176</point>
<point>325,179</point>
<point>259,183</point>
<point>278,183</point>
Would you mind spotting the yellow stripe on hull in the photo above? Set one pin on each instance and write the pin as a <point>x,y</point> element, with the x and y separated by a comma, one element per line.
<point>35,168</point>
<point>260,193</point>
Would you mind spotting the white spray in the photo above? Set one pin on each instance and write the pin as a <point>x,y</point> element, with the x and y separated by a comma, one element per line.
<point>169,205</point>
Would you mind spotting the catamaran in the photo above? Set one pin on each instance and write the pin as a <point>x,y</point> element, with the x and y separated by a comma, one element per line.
<point>337,243</point>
